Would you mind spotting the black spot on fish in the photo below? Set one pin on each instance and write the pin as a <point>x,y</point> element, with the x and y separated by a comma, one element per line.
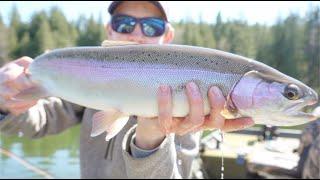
<point>179,88</point>
<point>216,63</point>
<point>149,55</point>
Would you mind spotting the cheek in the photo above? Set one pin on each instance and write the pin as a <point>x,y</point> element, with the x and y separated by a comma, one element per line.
<point>243,92</point>
<point>114,36</point>
<point>266,95</point>
<point>118,37</point>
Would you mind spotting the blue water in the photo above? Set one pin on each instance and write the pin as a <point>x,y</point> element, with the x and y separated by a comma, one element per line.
<point>56,154</point>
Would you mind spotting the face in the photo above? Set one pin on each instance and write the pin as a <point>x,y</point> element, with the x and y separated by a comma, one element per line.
<point>140,10</point>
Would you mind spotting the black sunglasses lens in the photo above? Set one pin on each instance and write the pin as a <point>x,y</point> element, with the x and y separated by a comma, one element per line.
<point>123,24</point>
<point>153,27</point>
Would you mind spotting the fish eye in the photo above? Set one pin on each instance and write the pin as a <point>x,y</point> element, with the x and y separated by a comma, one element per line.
<point>292,92</point>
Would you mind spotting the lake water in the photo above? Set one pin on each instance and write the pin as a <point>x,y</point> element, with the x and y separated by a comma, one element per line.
<point>57,155</point>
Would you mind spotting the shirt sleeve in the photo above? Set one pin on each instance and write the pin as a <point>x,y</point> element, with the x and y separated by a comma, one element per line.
<point>172,159</point>
<point>138,152</point>
<point>49,116</point>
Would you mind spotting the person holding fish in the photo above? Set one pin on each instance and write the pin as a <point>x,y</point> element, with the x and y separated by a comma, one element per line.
<point>138,147</point>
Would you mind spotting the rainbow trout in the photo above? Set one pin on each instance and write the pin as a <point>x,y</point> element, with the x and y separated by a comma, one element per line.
<point>122,79</point>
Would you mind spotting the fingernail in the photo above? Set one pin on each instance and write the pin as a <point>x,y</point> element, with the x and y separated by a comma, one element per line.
<point>215,90</point>
<point>164,89</point>
<point>193,87</point>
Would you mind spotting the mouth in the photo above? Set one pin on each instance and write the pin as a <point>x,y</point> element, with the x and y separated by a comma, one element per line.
<point>295,111</point>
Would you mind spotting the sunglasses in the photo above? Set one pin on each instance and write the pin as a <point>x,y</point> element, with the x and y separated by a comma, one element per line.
<point>150,26</point>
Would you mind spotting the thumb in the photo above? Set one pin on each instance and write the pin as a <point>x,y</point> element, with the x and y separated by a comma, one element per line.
<point>24,61</point>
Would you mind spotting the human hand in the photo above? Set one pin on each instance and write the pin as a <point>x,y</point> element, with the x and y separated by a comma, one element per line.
<point>13,80</point>
<point>151,131</point>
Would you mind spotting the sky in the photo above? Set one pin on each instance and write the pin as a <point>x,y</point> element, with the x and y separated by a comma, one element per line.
<point>263,12</point>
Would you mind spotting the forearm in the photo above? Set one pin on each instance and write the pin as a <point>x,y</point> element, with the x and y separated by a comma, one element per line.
<point>148,136</point>
<point>48,116</point>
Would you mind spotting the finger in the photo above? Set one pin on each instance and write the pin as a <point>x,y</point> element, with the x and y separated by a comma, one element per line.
<point>18,108</point>
<point>24,61</point>
<point>20,83</point>
<point>165,108</point>
<point>10,72</point>
<point>237,124</point>
<point>196,110</point>
<point>19,111</point>
<point>217,101</point>
<point>16,104</point>
<point>7,92</point>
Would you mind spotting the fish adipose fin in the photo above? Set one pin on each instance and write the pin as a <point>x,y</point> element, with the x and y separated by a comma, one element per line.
<point>108,43</point>
<point>111,121</point>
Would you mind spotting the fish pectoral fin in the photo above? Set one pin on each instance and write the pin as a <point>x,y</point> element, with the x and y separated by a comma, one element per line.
<point>108,43</point>
<point>101,120</point>
<point>116,127</point>
<point>33,93</point>
<point>230,111</point>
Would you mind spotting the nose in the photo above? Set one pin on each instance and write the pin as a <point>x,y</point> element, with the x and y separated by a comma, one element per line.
<point>136,35</point>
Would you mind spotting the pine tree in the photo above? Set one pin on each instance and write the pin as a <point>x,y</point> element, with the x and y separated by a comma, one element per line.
<point>63,34</point>
<point>3,43</point>
<point>44,38</point>
<point>92,33</point>
<point>15,23</point>
<point>312,47</point>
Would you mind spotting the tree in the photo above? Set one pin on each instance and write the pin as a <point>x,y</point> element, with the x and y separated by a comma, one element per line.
<point>44,38</point>
<point>312,47</point>
<point>3,42</point>
<point>92,33</point>
<point>206,35</point>
<point>15,23</point>
<point>63,34</point>
<point>218,31</point>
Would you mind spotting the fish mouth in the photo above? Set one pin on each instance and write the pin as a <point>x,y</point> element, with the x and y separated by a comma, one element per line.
<point>296,110</point>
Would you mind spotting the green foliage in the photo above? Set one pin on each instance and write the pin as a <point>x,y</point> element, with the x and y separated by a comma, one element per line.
<point>92,33</point>
<point>3,42</point>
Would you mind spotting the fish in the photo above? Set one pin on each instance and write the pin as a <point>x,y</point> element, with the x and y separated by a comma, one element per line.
<point>121,79</point>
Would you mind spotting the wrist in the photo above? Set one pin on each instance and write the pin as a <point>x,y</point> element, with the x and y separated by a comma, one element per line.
<point>148,137</point>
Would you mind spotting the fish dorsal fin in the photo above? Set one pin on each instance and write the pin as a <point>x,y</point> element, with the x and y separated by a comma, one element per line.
<point>108,43</point>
